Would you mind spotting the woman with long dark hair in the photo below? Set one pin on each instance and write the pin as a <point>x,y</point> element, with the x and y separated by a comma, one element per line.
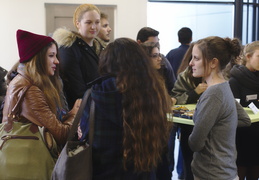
<point>131,127</point>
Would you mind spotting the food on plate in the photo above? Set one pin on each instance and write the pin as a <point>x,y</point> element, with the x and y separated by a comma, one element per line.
<point>183,112</point>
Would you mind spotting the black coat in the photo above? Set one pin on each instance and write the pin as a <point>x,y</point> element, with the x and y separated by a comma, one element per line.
<point>244,83</point>
<point>245,86</point>
<point>78,64</point>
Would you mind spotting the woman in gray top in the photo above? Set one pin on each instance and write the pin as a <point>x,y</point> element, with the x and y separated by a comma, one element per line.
<point>216,114</point>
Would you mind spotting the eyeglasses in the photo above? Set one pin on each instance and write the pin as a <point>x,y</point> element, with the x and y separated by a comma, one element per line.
<point>155,55</point>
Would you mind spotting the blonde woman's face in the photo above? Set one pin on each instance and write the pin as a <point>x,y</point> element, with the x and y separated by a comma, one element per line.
<point>89,26</point>
<point>52,60</point>
<point>253,61</point>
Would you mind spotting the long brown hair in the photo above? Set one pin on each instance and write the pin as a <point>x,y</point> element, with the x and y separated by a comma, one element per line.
<point>186,59</point>
<point>36,70</point>
<point>145,102</point>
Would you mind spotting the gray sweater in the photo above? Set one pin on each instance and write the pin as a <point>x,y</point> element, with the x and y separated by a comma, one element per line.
<point>213,138</point>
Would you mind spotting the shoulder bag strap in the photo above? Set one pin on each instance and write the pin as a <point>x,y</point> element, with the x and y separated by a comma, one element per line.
<point>14,111</point>
<point>78,116</point>
<point>91,123</point>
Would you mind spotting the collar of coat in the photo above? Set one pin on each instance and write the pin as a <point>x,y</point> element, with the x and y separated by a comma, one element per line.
<point>65,37</point>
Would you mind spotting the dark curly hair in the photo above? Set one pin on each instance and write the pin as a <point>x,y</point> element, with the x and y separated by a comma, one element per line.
<point>145,102</point>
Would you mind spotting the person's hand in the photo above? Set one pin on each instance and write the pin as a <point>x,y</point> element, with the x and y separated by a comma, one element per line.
<point>174,101</point>
<point>201,88</point>
<point>75,107</point>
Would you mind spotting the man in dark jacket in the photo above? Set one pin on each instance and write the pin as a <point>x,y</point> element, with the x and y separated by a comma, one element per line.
<point>175,56</point>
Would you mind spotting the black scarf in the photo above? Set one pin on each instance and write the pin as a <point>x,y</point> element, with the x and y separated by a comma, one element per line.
<point>245,77</point>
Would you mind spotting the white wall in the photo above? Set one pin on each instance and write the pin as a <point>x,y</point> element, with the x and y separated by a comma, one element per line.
<point>203,19</point>
<point>131,15</point>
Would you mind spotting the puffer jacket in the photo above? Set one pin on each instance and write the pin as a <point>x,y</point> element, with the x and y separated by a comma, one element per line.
<point>35,109</point>
<point>78,64</point>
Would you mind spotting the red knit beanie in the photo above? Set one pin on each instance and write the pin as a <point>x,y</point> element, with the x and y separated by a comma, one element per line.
<point>30,44</point>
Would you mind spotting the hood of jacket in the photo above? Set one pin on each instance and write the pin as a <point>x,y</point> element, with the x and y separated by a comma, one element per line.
<point>245,77</point>
<point>99,45</point>
<point>108,104</point>
<point>64,37</point>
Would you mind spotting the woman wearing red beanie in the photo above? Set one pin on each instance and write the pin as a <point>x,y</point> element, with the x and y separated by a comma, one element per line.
<point>79,61</point>
<point>36,91</point>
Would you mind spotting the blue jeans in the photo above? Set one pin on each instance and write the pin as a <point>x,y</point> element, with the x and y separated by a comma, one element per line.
<point>179,166</point>
<point>171,146</point>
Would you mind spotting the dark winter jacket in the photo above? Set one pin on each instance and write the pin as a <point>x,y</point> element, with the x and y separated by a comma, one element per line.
<point>175,57</point>
<point>78,64</point>
<point>108,133</point>
<point>245,85</point>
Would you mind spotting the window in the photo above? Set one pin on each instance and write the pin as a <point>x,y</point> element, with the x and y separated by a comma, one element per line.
<point>208,1</point>
<point>224,18</point>
<point>250,28</point>
<point>203,19</point>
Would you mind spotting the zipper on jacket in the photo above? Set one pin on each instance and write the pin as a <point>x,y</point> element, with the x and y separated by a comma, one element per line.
<point>8,137</point>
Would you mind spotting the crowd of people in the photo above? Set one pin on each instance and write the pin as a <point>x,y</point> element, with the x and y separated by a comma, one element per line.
<point>134,88</point>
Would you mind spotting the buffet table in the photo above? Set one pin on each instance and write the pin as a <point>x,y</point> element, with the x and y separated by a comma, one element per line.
<point>254,117</point>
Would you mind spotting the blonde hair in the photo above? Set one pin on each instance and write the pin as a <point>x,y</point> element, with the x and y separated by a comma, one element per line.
<point>80,10</point>
<point>249,49</point>
<point>104,16</point>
